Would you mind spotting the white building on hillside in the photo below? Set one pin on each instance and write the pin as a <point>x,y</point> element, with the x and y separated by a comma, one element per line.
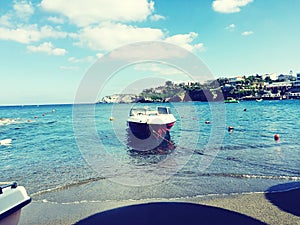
<point>295,90</point>
<point>297,82</point>
<point>273,76</point>
<point>234,80</point>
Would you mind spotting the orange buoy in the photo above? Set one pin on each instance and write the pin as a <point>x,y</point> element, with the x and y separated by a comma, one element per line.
<point>276,137</point>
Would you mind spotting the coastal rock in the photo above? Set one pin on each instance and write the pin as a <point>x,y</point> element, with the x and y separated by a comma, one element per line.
<point>201,95</point>
<point>121,98</point>
<point>176,98</point>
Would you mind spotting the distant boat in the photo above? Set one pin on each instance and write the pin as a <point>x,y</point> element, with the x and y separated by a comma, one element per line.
<point>12,199</point>
<point>259,100</point>
<point>144,121</point>
<point>231,100</point>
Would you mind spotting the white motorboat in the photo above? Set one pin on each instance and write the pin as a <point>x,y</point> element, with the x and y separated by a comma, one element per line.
<point>143,121</point>
<point>12,199</point>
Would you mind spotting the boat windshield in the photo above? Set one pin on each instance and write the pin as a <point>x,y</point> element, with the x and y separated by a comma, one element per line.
<point>148,112</point>
<point>137,111</point>
<point>163,110</point>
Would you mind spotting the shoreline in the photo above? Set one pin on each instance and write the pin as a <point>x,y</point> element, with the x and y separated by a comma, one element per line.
<point>264,208</point>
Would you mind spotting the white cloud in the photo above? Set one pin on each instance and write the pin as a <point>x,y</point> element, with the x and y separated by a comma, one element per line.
<point>14,25</point>
<point>23,9</point>
<point>55,19</point>
<point>185,41</point>
<point>158,69</point>
<point>110,36</point>
<point>99,55</point>
<point>229,6</point>
<point>30,33</point>
<point>47,47</point>
<point>21,12</point>
<point>81,60</point>
<point>69,67</point>
<point>177,61</point>
<point>104,25</point>
<point>157,17</point>
<point>84,13</point>
<point>50,32</point>
<point>140,51</point>
<point>198,47</point>
<point>5,20</point>
<point>247,33</point>
<point>230,27</point>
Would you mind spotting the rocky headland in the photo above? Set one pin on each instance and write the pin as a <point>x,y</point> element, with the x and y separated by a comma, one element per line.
<point>243,88</point>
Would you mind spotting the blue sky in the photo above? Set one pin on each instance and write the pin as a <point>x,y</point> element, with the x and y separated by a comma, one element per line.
<point>47,46</point>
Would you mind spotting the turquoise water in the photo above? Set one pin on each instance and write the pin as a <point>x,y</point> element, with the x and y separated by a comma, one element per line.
<point>59,150</point>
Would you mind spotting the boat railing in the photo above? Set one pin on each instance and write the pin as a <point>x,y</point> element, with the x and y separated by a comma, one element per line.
<point>12,185</point>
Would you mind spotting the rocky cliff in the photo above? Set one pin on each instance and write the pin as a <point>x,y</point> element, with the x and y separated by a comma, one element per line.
<point>121,98</point>
<point>195,95</point>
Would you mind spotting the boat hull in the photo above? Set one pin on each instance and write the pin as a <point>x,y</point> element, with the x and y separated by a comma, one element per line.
<point>140,130</point>
<point>143,130</point>
<point>12,199</point>
<point>12,219</point>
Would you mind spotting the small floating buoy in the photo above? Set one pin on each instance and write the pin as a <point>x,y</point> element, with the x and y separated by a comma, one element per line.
<point>111,118</point>
<point>276,137</point>
<point>230,128</point>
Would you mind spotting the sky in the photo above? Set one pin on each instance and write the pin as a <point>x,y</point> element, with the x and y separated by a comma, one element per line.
<point>48,46</point>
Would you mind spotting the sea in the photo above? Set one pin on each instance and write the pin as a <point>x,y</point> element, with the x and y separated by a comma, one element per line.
<point>84,153</point>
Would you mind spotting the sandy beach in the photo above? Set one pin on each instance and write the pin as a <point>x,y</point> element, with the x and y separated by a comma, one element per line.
<point>255,208</point>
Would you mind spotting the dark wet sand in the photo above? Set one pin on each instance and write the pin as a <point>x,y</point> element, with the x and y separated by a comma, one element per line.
<point>255,208</point>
